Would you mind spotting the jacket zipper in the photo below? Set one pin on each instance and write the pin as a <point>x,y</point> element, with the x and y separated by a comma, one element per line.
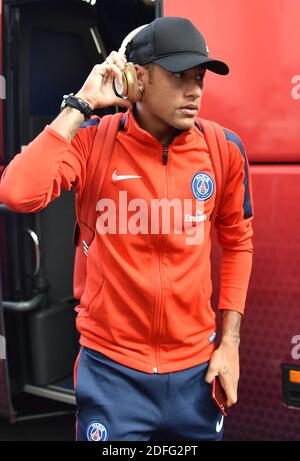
<point>165,154</point>
<point>159,256</point>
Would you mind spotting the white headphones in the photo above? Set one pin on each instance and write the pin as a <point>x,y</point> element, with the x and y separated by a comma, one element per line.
<point>129,89</point>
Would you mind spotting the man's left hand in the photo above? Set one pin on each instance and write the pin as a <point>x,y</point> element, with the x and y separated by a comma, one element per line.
<point>224,362</point>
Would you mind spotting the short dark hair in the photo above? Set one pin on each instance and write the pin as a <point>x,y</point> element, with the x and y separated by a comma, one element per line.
<point>149,68</point>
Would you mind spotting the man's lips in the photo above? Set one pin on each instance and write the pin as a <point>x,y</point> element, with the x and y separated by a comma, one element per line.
<point>190,109</point>
<point>190,106</point>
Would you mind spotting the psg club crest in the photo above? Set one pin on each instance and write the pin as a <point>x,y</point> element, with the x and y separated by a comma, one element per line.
<point>202,186</point>
<point>96,432</point>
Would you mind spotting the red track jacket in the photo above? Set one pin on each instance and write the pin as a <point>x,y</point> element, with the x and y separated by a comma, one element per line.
<point>146,302</point>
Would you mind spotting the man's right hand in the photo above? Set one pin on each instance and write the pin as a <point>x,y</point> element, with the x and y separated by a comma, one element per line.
<point>97,90</point>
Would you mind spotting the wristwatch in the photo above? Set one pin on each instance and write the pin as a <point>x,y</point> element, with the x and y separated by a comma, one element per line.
<point>77,103</point>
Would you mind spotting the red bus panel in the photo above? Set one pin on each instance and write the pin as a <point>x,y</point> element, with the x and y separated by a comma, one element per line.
<point>260,98</point>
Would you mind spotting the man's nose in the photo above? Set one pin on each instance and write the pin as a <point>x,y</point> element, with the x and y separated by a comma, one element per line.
<point>193,88</point>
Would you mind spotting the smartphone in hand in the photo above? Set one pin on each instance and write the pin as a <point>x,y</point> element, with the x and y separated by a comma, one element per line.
<point>219,396</point>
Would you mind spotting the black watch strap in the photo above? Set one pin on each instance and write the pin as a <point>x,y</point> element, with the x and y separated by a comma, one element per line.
<point>77,103</point>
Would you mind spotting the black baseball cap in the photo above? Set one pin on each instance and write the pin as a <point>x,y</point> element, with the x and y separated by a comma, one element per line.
<point>173,43</point>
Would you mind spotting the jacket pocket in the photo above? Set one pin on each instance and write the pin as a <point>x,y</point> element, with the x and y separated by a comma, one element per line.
<point>82,237</point>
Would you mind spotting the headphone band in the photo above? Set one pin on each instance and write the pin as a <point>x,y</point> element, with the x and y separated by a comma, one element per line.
<point>129,37</point>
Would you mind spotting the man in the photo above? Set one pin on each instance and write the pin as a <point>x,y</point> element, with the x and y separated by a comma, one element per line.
<point>148,356</point>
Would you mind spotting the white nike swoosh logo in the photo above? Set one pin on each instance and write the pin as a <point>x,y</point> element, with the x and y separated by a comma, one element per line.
<point>219,424</point>
<point>119,177</point>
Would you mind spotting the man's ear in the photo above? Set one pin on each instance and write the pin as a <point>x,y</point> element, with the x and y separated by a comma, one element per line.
<point>141,73</point>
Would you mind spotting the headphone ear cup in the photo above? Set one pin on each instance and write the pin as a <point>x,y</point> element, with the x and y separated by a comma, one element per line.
<point>130,88</point>
<point>133,91</point>
<point>120,90</point>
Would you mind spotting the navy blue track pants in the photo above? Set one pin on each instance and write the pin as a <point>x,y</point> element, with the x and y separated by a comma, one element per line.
<point>117,403</point>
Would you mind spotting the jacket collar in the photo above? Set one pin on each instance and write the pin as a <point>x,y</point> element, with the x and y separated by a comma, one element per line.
<point>133,129</point>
